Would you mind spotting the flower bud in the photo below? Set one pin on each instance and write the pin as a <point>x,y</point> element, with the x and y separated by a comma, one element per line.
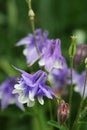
<point>81,53</point>
<point>31,14</point>
<point>86,62</point>
<point>72,48</point>
<point>63,112</point>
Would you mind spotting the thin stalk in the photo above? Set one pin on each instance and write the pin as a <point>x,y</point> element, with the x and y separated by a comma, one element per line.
<point>32,20</point>
<point>66,126</point>
<point>30,7</point>
<point>71,89</point>
<point>33,30</point>
<point>38,117</point>
<point>50,110</point>
<point>81,104</point>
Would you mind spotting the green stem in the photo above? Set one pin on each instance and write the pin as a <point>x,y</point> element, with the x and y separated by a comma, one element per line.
<point>38,117</point>
<point>33,30</point>
<point>32,20</point>
<point>71,89</point>
<point>30,7</point>
<point>81,104</point>
<point>50,110</point>
<point>66,126</point>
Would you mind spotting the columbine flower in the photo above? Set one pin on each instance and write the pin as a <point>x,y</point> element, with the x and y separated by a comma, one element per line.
<point>30,51</point>
<point>52,57</point>
<point>78,81</point>
<point>63,112</point>
<point>7,97</point>
<point>80,84</point>
<point>30,87</point>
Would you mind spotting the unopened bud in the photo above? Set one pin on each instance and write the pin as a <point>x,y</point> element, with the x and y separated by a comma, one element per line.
<point>63,112</point>
<point>73,38</point>
<point>31,14</point>
<point>72,48</point>
<point>81,53</point>
<point>86,62</point>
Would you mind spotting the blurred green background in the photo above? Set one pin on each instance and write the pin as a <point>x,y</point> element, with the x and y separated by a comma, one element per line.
<point>61,18</point>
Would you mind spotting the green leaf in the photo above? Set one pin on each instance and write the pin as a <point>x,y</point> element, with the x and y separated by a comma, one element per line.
<point>56,124</point>
<point>7,68</point>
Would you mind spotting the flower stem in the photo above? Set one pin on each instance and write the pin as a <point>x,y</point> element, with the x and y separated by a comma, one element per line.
<point>71,89</point>
<point>50,110</point>
<point>66,126</point>
<point>32,20</point>
<point>81,104</point>
<point>39,117</point>
<point>33,30</point>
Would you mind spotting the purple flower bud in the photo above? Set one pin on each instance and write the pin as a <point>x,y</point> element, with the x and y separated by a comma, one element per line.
<point>63,112</point>
<point>81,53</point>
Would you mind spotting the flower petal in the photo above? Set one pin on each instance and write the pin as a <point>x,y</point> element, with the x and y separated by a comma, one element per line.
<point>22,99</point>
<point>58,65</point>
<point>40,99</point>
<point>45,91</point>
<point>31,95</point>
<point>30,103</point>
<point>42,62</point>
<point>19,86</point>
<point>24,41</point>
<point>49,63</point>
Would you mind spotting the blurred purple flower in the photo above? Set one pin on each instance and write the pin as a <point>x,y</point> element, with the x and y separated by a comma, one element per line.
<point>75,77</point>
<point>30,50</point>
<point>6,95</point>
<point>52,57</point>
<point>80,84</point>
<point>58,79</point>
<point>31,87</point>
<point>78,81</point>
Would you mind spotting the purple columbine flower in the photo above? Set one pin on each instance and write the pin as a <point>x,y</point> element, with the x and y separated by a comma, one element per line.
<point>52,57</point>
<point>32,54</point>
<point>80,84</point>
<point>6,95</point>
<point>30,87</point>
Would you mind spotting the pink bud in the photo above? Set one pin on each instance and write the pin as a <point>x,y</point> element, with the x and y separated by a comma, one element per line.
<point>81,53</point>
<point>63,112</point>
